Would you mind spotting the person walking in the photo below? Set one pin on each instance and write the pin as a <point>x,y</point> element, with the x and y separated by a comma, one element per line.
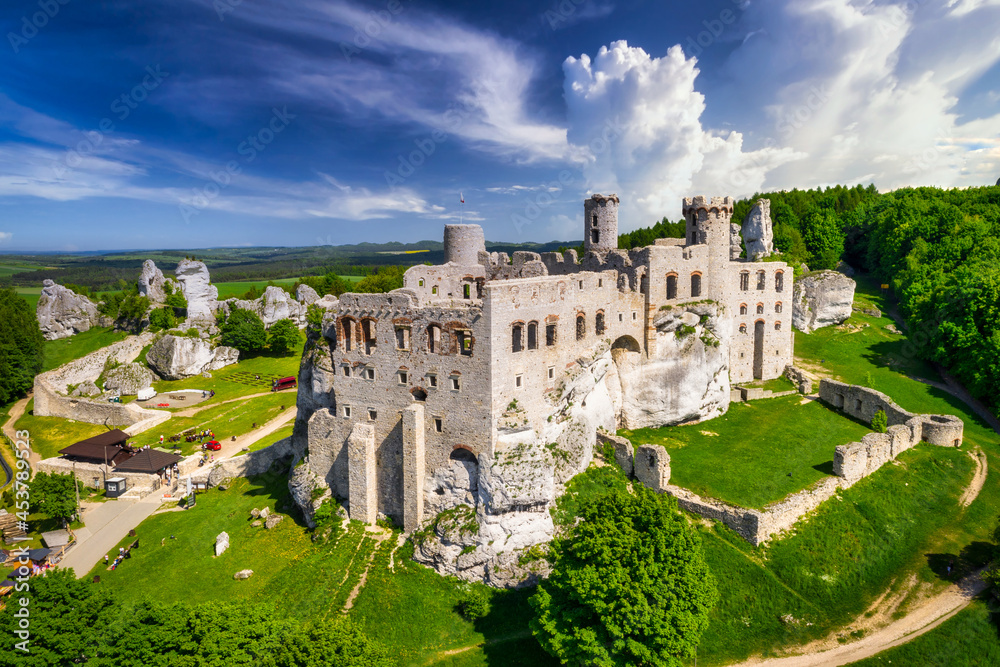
<point>161,439</point>
<point>105,559</point>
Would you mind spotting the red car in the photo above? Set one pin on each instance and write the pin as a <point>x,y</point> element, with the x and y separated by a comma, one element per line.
<point>213,445</point>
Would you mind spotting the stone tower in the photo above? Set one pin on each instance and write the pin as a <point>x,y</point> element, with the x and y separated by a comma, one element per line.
<point>708,221</point>
<point>463,243</point>
<point>600,223</point>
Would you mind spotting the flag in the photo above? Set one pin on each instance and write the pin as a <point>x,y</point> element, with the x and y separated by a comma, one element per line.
<point>461,197</point>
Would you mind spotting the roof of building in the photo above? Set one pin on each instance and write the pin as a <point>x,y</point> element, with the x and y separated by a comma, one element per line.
<point>148,460</point>
<point>102,446</point>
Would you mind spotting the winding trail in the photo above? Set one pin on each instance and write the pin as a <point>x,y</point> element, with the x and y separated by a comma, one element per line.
<point>926,616</point>
<point>16,412</point>
<point>976,485</point>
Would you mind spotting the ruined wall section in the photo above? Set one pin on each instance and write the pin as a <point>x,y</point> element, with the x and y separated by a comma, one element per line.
<point>770,306</point>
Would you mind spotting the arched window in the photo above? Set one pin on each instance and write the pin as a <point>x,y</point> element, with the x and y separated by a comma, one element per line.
<point>779,281</point>
<point>581,326</point>
<point>550,333</point>
<point>777,307</point>
<point>532,335</point>
<point>743,309</point>
<point>347,326</point>
<point>743,328</point>
<point>695,284</point>
<point>761,280</point>
<point>368,334</point>
<point>464,340</point>
<point>434,338</point>
<point>599,323</point>
<point>760,309</point>
<point>671,286</point>
<point>419,394</point>
<point>745,280</point>
<point>516,344</point>
<point>466,291</point>
<point>777,326</point>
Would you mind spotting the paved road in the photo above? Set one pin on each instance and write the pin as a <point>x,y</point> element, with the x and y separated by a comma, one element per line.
<point>106,525</point>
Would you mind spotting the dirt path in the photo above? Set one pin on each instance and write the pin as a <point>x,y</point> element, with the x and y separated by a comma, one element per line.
<point>524,634</point>
<point>978,479</point>
<point>195,409</point>
<point>380,535</point>
<point>16,412</point>
<point>231,448</point>
<point>925,616</point>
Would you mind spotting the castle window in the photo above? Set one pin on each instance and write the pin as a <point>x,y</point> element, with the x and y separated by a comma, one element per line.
<point>402,338</point>
<point>368,334</point>
<point>599,324</point>
<point>695,284</point>
<point>743,328</point>
<point>517,380</point>
<point>779,281</point>
<point>515,338</point>
<point>434,338</point>
<point>743,309</point>
<point>432,380</point>
<point>595,236</point>
<point>464,343</point>
<point>760,309</point>
<point>600,282</point>
<point>402,376</point>
<point>372,414</point>
<point>456,383</point>
<point>532,335</point>
<point>420,283</point>
<point>581,284</point>
<point>761,280</point>
<point>671,286</point>
<point>369,373</point>
<point>347,370</point>
<point>550,334</point>
<point>467,291</point>
<point>434,289</point>
<point>593,220</point>
<point>581,326</point>
<point>777,326</point>
<point>348,330</point>
<point>744,281</point>
<point>347,411</point>
<point>419,395</point>
<point>621,317</point>
<point>644,284</point>
<point>552,372</point>
<point>438,424</point>
<point>634,316</point>
<point>777,307</point>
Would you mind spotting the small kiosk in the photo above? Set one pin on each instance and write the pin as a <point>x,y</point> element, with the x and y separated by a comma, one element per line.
<point>114,487</point>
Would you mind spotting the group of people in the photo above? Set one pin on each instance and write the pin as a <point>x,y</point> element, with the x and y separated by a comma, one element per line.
<point>208,394</point>
<point>123,553</point>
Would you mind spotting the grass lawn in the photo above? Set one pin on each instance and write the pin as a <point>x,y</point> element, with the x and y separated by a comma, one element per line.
<point>64,350</point>
<point>50,434</point>
<point>969,639</point>
<point>745,456</point>
<point>239,288</point>
<point>282,433</point>
<point>777,384</point>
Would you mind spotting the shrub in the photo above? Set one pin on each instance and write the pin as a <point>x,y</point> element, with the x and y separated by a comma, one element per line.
<point>162,318</point>
<point>475,603</point>
<point>880,422</point>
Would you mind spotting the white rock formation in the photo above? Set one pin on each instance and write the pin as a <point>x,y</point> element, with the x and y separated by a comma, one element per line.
<point>86,389</point>
<point>735,241</point>
<point>152,281</point>
<point>128,379</point>
<point>454,484</point>
<point>305,294</point>
<point>275,304</point>
<point>177,357</point>
<point>61,312</point>
<point>757,234</point>
<point>202,297</point>
<point>821,299</point>
<point>243,574</point>
<point>221,543</point>
<point>273,521</point>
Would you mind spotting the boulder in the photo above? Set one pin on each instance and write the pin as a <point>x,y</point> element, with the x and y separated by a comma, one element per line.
<point>257,524</point>
<point>453,484</point>
<point>152,281</point>
<point>273,521</point>
<point>177,357</point>
<point>305,294</point>
<point>822,299</point>
<point>202,297</point>
<point>264,513</point>
<point>243,574</point>
<point>221,543</point>
<point>757,234</point>
<point>61,312</point>
<point>276,305</point>
<point>128,379</point>
<point>86,389</point>
<point>735,241</point>
<point>255,512</point>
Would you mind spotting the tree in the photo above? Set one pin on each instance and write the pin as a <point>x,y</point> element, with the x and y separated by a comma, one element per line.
<point>629,586</point>
<point>339,643</point>
<point>880,422</point>
<point>824,238</point>
<point>244,330</point>
<point>162,318</point>
<point>54,495</point>
<point>283,336</point>
<point>21,346</point>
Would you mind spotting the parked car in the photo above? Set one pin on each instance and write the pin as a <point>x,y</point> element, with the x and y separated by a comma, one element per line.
<point>214,445</point>
<point>283,383</point>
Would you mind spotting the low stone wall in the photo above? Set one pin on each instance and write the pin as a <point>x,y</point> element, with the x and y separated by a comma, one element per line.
<point>862,403</point>
<point>247,465</point>
<point>51,389</point>
<point>756,393</point>
<point>799,378</point>
<point>92,475</point>
<point>624,452</point>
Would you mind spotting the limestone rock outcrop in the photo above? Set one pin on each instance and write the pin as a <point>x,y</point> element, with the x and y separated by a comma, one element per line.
<point>275,304</point>
<point>202,296</point>
<point>86,389</point>
<point>61,312</point>
<point>305,294</point>
<point>735,241</point>
<point>178,357</point>
<point>243,574</point>
<point>128,379</point>
<point>152,282</point>
<point>822,299</point>
<point>757,232</point>
<point>686,376</point>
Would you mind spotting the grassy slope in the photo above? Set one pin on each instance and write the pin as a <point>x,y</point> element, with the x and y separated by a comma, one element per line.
<point>50,434</point>
<point>282,433</point>
<point>64,350</point>
<point>757,446</point>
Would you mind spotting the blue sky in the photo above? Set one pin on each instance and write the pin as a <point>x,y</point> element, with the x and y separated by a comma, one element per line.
<point>200,123</point>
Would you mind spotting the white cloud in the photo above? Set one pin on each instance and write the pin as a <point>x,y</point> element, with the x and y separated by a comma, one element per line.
<point>5,236</point>
<point>639,119</point>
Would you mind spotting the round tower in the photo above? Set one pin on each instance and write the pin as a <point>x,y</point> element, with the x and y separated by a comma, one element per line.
<point>600,223</point>
<point>463,243</point>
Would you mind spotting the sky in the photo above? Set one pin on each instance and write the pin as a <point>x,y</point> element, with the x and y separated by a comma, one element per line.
<point>208,123</point>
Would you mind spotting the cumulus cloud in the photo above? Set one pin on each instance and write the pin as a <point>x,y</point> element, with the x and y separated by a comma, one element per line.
<point>638,119</point>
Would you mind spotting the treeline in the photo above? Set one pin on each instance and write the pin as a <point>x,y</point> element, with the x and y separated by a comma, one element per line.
<point>939,249</point>
<point>664,229</point>
<point>76,622</point>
